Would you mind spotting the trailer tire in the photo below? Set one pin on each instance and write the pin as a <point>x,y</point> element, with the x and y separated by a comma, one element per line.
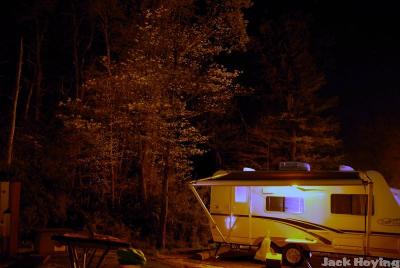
<point>293,255</point>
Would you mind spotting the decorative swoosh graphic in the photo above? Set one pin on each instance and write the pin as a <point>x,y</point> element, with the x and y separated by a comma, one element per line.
<point>319,225</point>
<point>305,227</point>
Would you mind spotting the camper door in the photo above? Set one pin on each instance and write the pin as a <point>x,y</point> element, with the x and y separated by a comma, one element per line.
<point>240,200</point>
<point>240,219</point>
<point>230,200</point>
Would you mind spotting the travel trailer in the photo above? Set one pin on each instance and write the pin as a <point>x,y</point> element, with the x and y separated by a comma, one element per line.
<point>299,212</point>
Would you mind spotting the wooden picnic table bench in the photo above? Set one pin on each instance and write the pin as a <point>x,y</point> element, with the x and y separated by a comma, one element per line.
<point>83,246</point>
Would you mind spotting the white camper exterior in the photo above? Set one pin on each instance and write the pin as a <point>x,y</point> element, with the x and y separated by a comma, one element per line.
<point>305,211</point>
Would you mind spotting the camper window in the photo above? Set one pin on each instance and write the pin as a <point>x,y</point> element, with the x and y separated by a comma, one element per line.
<point>285,204</point>
<point>294,204</point>
<point>275,203</point>
<point>240,194</point>
<point>352,204</point>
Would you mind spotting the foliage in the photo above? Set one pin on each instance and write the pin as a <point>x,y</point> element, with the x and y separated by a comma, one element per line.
<point>120,98</point>
<point>188,225</point>
<point>295,122</point>
<point>45,196</point>
<point>382,138</point>
<point>136,124</point>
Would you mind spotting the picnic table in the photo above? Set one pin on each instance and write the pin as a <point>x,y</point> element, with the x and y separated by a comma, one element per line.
<point>82,247</point>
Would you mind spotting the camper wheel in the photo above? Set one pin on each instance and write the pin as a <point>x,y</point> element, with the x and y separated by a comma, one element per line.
<point>292,255</point>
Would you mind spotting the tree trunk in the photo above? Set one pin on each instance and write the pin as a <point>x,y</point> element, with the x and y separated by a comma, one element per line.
<point>293,145</point>
<point>142,183</point>
<point>144,167</point>
<point>113,181</point>
<point>218,159</point>
<point>75,55</point>
<point>268,152</point>
<point>107,43</point>
<point>15,104</point>
<point>39,71</point>
<point>162,237</point>
<point>28,101</point>
<point>82,61</point>
<point>38,92</point>
<point>112,161</point>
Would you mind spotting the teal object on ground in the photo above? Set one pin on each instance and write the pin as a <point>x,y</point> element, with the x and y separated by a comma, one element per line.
<point>131,256</point>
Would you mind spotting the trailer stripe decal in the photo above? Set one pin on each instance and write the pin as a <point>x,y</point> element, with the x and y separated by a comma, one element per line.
<point>301,226</point>
<point>373,233</point>
<point>319,225</point>
<point>298,226</point>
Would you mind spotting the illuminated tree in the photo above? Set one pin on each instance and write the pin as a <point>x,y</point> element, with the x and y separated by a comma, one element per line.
<point>143,111</point>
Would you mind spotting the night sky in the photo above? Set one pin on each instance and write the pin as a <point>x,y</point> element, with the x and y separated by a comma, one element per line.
<point>367,56</point>
<point>361,52</point>
<point>366,77</point>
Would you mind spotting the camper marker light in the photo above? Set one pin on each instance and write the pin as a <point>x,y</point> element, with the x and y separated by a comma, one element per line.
<point>345,168</point>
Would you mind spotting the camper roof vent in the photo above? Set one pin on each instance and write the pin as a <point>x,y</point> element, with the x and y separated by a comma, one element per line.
<point>345,168</point>
<point>294,166</point>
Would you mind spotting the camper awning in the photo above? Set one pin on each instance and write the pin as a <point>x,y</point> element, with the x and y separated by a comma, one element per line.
<point>281,178</point>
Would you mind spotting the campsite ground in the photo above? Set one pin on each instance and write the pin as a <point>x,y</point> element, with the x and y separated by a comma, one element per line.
<point>183,260</point>
<point>179,259</point>
<point>172,260</point>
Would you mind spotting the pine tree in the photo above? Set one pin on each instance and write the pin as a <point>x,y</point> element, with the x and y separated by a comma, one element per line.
<point>296,124</point>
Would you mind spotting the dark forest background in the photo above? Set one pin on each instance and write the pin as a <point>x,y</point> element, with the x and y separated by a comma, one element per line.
<point>108,107</point>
